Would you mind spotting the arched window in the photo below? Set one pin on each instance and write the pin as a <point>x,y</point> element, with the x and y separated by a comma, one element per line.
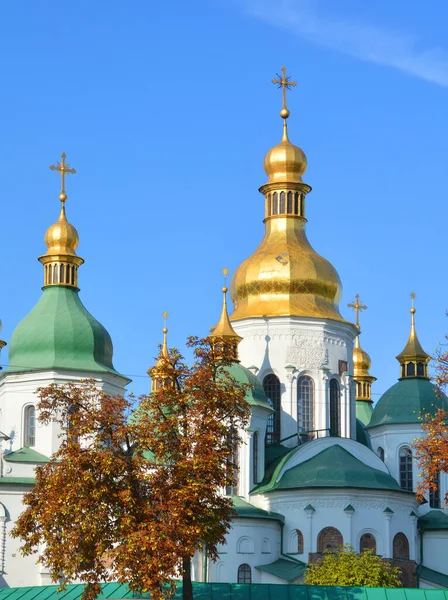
<point>275,203</point>
<point>268,204</point>
<point>29,426</point>
<point>305,404</point>
<point>244,574</point>
<point>420,370</point>
<point>255,457</point>
<point>282,203</point>
<point>410,370</point>
<point>329,538</point>
<point>434,495</point>
<point>289,203</point>
<point>367,542</point>
<point>380,453</point>
<point>296,203</point>
<point>271,385</point>
<point>400,546</point>
<point>406,482</point>
<point>335,409</point>
<point>299,541</point>
<point>55,274</point>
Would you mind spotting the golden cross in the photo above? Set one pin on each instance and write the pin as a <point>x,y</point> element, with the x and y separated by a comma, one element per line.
<point>64,169</point>
<point>357,307</point>
<point>165,316</point>
<point>413,296</point>
<point>285,83</point>
<point>225,272</point>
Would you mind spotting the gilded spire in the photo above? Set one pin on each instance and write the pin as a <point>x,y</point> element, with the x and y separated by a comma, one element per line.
<point>413,359</point>
<point>361,360</point>
<point>61,261</point>
<point>223,330</point>
<point>285,276</point>
<point>158,382</point>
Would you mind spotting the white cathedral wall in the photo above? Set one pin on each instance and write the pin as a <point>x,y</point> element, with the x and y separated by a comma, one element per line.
<point>312,347</point>
<point>254,542</point>
<point>435,544</point>
<point>392,438</point>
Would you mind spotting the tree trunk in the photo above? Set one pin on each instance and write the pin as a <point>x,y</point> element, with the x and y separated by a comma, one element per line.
<point>187,588</point>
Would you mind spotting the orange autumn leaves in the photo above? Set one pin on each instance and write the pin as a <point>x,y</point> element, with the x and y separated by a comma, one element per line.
<point>132,500</point>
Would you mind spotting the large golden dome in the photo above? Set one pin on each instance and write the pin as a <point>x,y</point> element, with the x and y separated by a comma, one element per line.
<point>285,276</point>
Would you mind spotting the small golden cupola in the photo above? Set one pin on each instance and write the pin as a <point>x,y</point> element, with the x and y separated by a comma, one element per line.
<point>285,276</point>
<point>361,360</point>
<point>156,380</point>
<point>60,261</point>
<point>413,359</point>
<point>223,332</point>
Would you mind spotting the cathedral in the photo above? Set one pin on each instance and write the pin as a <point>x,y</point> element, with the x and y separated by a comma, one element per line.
<point>319,465</point>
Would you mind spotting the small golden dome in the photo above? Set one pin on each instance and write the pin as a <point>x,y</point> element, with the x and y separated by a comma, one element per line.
<point>361,361</point>
<point>61,238</point>
<point>285,162</point>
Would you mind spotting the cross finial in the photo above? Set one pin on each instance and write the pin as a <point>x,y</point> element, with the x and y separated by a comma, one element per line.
<point>357,307</point>
<point>225,272</point>
<point>165,316</point>
<point>285,83</point>
<point>64,169</point>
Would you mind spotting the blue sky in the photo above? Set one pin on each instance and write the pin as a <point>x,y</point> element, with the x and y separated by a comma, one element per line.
<point>166,111</point>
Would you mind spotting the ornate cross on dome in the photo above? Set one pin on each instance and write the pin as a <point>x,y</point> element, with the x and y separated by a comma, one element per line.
<point>285,83</point>
<point>357,307</point>
<point>64,169</point>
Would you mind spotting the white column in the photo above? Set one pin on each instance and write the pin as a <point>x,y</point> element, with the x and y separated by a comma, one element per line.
<point>323,402</point>
<point>413,544</point>
<point>388,514</point>
<point>348,539</point>
<point>309,544</point>
<point>289,410</point>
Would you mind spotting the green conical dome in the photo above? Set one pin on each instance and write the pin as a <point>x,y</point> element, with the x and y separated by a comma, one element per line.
<point>59,333</point>
<point>406,401</point>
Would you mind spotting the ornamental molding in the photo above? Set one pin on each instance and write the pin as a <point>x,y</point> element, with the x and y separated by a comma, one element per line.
<point>339,502</point>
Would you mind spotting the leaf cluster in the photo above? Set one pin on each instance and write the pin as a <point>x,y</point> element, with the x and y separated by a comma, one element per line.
<point>131,500</point>
<point>347,567</point>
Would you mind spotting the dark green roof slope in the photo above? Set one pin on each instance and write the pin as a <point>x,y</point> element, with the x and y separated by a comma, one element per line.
<point>284,569</point>
<point>244,510</point>
<point>256,396</point>
<point>432,576</point>
<point>434,519</point>
<point>59,333</point>
<point>362,435</point>
<point>405,401</point>
<point>233,591</point>
<point>26,455</point>
<point>333,467</point>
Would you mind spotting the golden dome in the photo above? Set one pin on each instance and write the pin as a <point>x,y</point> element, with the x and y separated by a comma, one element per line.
<point>285,162</point>
<point>361,361</point>
<point>61,237</point>
<point>285,276</point>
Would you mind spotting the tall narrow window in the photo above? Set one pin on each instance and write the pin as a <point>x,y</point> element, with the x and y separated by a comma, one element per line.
<point>434,495</point>
<point>420,370</point>
<point>255,457</point>
<point>305,404</point>
<point>55,274</point>
<point>400,546</point>
<point>233,468</point>
<point>271,385</point>
<point>335,409</point>
<point>406,482</point>
<point>380,453</point>
<point>410,370</point>
<point>244,574</point>
<point>275,203</point>
<point>30,426</point>
<point>299,541</point>
<point>282,203</point>
<point>302,205</point>
<point>268,205</point>
<point>289,203</point>
<point>296,203</point>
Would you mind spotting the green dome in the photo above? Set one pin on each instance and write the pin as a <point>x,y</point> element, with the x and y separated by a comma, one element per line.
<point>256,396</point>
<point>59,333</point>
<point>405,401</point>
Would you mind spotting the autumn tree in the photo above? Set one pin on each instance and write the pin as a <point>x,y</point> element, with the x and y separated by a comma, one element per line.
<point>347,567</point>
<point>132,500</point>
<point>432,448</point>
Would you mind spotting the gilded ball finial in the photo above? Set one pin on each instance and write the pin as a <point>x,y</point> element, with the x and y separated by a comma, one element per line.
<point>284,113</point>
<point>225,289</point>
<point>165,330</point>
<point>62,196</point>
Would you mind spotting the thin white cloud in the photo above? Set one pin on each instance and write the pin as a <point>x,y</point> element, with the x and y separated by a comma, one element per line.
<point>367,42</point>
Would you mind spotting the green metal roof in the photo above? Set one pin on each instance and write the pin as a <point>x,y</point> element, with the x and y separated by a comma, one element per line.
<point>284,569</point>
<point>364,410</point>
<point>59,333</point>
<point>244,510</point>
<point>432,576</point>
<point>26,455</point>
<point>256,396</point>
<point>333,467</point>
<point>17,481</point>
<point>362,435</point>
<point>405,401</point>
<point>234,591</point>
<point>434,519</point>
